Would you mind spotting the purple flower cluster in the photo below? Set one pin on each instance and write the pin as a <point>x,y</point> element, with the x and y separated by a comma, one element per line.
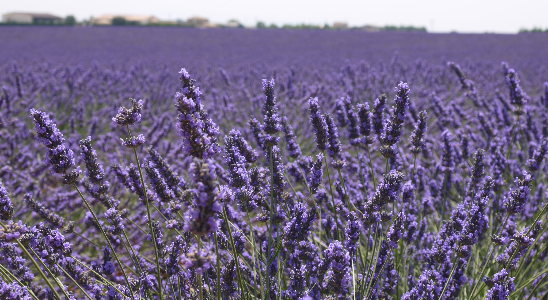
<point>6,206</point>
<point>126,117</point>
<point>363,216</point>
<point>58,156</point>
<point>319,124</point>
<point>199,132</point>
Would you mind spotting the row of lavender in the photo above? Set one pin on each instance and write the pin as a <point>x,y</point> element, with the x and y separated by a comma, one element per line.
<point>319,186</point>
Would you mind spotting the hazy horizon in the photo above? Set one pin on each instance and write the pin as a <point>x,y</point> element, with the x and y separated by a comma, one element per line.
<point>467,16</point>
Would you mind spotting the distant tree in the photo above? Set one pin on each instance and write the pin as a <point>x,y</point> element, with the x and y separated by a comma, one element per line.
<point>403,28</point>
<point>240,25</point>
<point>119,21</point>
<point>274,26</point>
<point>261,24</point>
<point>70,20</point>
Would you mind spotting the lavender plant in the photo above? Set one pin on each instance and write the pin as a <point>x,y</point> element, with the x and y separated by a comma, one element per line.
<point>239,192</point>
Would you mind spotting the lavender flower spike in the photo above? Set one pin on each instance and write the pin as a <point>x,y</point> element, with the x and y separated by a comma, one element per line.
<point>392,128</point>
<point>518,98</point>
<point>319,124</point>
<point>396,231</point>
<point>201,219</point>
<point>316,174</point>
<point>334,143</point>
<point>270,111</point>
<point>130,116</point>
<point>95,171</point>
<point>199,132</point>
<point>517,198</point>
<point>290,139</point>
<point>501,286</point>
<point>378,112</point>
<point>533,164</point>
<point>133,141</point>
<point>58,156</point>
<point>417,137</point>
<point>364,116</point>
<point>6,206</point>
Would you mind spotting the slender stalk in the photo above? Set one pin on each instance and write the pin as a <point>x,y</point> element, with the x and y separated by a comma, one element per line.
<point>218,266</point>
<point>76,283</point>
<point>132,253</point>
<point>373,282</point>
<point>199,276</point>
<point>236,256</point>
<point>449,278</point>
<point>362,178</point>
<point>371,168</point>
<point>491,250</point>
<point>353,282</point>
<point>347,198</point>
<point>533,278</point>
<point>270,221</point>
<point>61,285</point>
<point>414,167</point>
<point>531,264</point>
<point>103,279</point>
<point>152,234</point>
<point>253,249</point>
<point>514,253</point>
<point>5,274</point>
<point>444,202</point>
<point>106,237</point>
<point>35,264</point>
<point>536,287</point>
<point>13,277</point>
<point>531,247</point>
<point>332,196</point>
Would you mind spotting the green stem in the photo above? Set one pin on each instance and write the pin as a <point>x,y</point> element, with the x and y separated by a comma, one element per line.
<point>152,234</point>
<point>35,264</point>
<point>103,279</point>
<point>106,237</point>
<point>371,168</point>
<point>253,248</point>
<point>373,282</point>
<point>414,168</point>
<point>61,286</point>
<point>218,266</point>
<point>236,255</point>
<point>491,250</point>
<point>76,283</point>
<point>7,273</point>
<point>449,278</point>
<point>270,221</point>
<point>362,178</point>
<point>444,202</point>
<point>332,196</point>
<point>533,245</point>
<point>532,262</point>
<point>536,287</point>
<point>199,276</point>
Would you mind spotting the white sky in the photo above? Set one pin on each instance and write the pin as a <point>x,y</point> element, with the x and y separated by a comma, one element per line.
<point>502,16</point>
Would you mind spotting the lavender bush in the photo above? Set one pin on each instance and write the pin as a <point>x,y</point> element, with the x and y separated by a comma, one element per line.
<point>405,181</point>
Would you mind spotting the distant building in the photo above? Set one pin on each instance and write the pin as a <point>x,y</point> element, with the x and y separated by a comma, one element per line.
<point>199,22</point>
<point>340,25</point>
<point>31,18</point>
<point>130,19</point>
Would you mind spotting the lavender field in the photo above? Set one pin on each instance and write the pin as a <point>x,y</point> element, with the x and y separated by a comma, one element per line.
<point>174,163</point>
